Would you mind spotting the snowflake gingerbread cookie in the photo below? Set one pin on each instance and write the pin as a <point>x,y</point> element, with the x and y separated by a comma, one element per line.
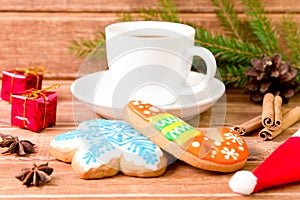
<point>224,150</point>
<point>101,148</point>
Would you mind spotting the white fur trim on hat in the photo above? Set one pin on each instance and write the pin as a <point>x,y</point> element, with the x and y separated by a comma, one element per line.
<point>243,182</point>
<point>297,134</point>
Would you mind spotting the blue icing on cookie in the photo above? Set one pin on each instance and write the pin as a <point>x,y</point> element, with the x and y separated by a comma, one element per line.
<point>104,140</point>
<point>67,136</point>
<point>102,136</point>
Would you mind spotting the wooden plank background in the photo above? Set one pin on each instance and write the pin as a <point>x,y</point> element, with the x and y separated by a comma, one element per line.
<point>38,32</point>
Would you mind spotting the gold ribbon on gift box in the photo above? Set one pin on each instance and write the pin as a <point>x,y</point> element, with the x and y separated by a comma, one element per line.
<point>36,71</point>
<point>34,94</point>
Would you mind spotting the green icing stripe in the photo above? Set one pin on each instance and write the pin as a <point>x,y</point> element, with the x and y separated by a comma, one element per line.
<point>177,131</point>
<point>163,120</point>
<point>172,127</point>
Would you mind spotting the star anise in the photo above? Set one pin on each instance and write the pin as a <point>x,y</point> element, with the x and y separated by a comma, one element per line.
<point>7,140</point>
<point>33,176</point>
<point>21,147</point>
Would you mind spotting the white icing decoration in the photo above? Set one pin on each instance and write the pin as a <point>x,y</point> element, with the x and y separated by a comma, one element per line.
<point>96,162</point>
<point>241,148</point>
<point>213,153</point>
<point>136,103</point>
<point>73,141</point>
<point>71,144</point>
<point>154,109</point>
<point>147,112</point>
<point>196,144</point>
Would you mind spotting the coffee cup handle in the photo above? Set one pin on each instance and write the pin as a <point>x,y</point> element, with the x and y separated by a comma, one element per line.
<point>211,68</point>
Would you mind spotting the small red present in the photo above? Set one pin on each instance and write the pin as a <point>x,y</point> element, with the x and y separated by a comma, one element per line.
<point>34,109</point>
<point>19,80</point>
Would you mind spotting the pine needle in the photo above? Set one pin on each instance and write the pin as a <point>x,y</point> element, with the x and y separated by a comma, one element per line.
<point>261,27</point>
<point>169,11</point>
<point>166,11</point>
<point>83,47</point>
<point>228,18</point>
<point>225,48</point>
<point>290,34</point>
<point>232,74</point>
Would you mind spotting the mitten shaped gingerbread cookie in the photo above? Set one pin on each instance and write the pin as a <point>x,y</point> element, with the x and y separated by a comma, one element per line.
<point>101,148</point>
<point>226,151</point>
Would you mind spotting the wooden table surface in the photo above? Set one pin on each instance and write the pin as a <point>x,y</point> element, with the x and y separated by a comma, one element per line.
<point>180,179</point>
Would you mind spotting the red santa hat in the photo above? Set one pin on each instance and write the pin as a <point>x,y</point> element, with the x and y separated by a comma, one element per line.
<point>281,167</point>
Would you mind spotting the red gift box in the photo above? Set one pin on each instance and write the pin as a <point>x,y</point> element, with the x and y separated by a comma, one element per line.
<point>34,109</point>
<point>19,80</point>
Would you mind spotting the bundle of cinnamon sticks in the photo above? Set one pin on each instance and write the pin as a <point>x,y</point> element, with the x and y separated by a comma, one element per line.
<point>273,120</point>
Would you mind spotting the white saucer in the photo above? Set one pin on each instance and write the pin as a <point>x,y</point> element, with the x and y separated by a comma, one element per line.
<point>96,91</point>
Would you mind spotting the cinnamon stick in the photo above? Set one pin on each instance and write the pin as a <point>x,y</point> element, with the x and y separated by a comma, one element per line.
<point>271,113</point>
<point>253,124</point>
<point>288,120</point>
<point>248,126</point>
<point>278,113</point>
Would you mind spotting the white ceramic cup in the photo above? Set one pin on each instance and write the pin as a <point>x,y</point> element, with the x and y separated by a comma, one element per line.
<point>159,55</point>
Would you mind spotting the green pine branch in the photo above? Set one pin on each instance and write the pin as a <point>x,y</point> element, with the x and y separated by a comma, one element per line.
<point>166,11</point>
<point>150,14</point>
<point>83,47</point>
<point>228,18</point>
<point>290,34</point>
<point>232,74</point>
<point>126,16</point>
<point>260,25</point>
<point>229,49</point>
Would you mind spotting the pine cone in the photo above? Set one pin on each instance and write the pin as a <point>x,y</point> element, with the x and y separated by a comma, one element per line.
<point>271,75</point>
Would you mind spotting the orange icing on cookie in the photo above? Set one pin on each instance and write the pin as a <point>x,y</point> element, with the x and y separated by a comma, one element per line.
<point>229,149</point>
<point>194,146</point>
<point>144,110</point>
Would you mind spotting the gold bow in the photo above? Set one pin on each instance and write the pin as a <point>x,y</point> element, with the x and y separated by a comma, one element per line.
<point>35,94</point>
<point>36,71</point>
<point>31,70</point>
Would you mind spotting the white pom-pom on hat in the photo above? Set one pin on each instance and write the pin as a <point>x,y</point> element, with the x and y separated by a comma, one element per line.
<point>282,166</point>
<point>243,182</point>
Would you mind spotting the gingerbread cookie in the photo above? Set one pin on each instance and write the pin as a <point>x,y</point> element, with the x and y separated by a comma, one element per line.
<point>226,152</point>
<point>101,148</point>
